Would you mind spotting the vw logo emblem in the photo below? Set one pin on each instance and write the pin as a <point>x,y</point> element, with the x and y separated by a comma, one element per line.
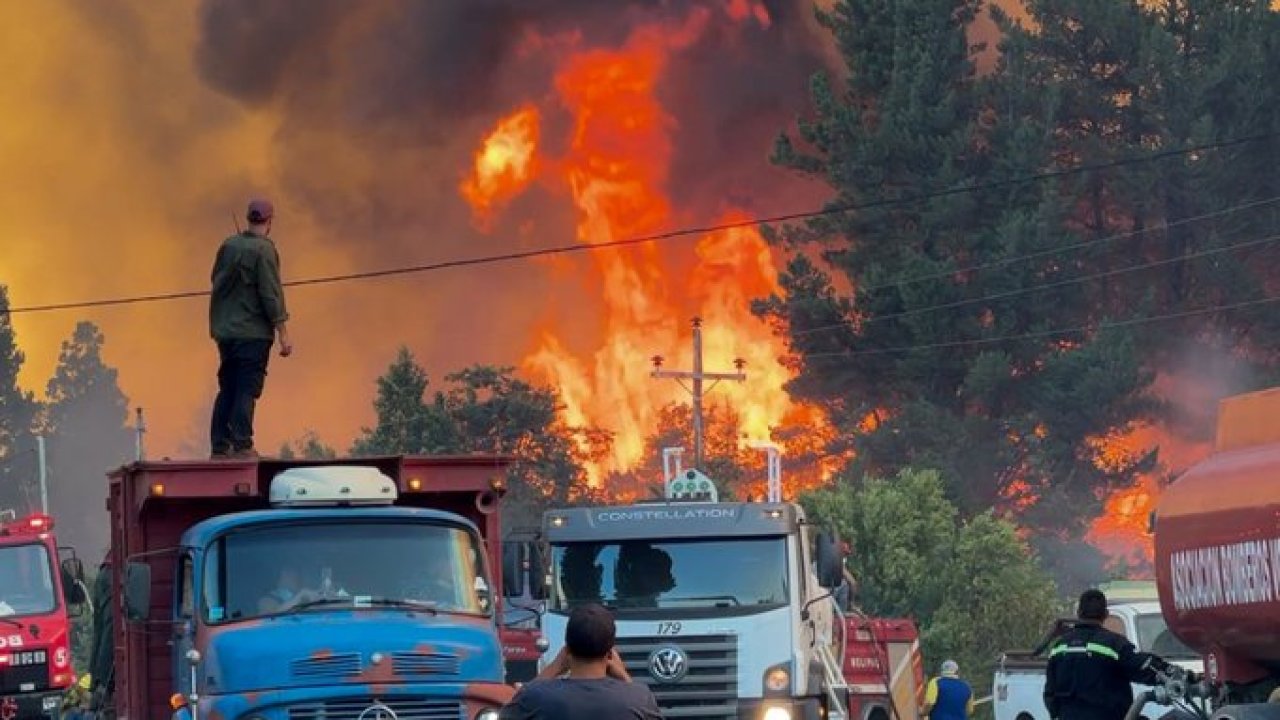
<point>668,664</point>
<point>378,711</point>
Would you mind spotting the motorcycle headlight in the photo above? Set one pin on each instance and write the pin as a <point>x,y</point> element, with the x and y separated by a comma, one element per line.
<point>489,714</point>
<point>777,713</point>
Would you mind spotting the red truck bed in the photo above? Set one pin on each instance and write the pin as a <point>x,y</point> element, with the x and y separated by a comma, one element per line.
<point>882,661</point>
<point>153,503</point>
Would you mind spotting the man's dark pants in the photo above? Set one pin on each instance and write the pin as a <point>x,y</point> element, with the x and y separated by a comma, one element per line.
<point>241,375</point>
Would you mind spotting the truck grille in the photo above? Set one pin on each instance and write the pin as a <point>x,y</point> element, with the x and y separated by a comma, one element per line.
<point>420,663</point>
<point>709,691</point>
<point>25,671</point>
<point>404,708</point>
<point>326,667</point>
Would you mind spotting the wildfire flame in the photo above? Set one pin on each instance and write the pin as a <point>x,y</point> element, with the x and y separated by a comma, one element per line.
<point>616,165</point>
<point>504,164</point>
<point>1122,530</point>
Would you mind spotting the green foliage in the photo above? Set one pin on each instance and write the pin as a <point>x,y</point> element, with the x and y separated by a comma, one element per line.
<point>18,416</point>
<point>487,410</point>
<point>88,434</point>
<point>943,314</point>
<point>727,463</point>
<point>307,447</point>
<point>973,585</point>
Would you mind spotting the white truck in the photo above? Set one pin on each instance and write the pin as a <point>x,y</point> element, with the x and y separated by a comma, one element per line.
<point>724,609</point>
<point>1018,690</point>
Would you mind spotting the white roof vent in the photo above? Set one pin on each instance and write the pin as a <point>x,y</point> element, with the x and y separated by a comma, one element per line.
<point>327,486</point>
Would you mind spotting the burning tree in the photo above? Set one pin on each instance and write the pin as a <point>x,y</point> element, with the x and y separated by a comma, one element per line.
<point>970,329</point>
<point>920,341</point>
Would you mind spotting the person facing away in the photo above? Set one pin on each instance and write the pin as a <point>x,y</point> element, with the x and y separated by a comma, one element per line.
<point>947,697</point>
<point>246,314</point>
<point>1091,668</point>
<point>597,687</point>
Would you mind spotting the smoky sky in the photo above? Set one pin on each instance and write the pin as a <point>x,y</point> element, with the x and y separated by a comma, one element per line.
<point>404,78</point>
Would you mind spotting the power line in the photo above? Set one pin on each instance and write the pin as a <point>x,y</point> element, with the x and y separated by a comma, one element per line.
<point>1047,333</point>
<point>1083,245</point>
<point>669,235</point>
<point>1045,286</point>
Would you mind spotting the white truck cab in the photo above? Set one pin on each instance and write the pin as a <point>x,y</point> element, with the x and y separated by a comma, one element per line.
<point>719,607</point>
<point>1018,690</point>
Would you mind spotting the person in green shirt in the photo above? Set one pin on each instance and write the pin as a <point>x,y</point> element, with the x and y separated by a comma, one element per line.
<point>246,315</point>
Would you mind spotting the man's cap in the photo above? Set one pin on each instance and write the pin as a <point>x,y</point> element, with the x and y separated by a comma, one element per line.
<point>260,210</point>
<point>1092,605</point>
<point>950,668</point>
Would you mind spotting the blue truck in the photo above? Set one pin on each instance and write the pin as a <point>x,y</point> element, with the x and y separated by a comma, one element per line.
<point>344,590</point>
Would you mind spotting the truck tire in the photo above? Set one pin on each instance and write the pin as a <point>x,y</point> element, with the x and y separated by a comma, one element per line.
<point>878,714</point>
<point>1251,711</point>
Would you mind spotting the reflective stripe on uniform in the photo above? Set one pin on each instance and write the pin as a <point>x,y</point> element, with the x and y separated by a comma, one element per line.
<point>1089,648</point>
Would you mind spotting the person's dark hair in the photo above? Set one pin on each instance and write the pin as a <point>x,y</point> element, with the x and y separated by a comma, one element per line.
<point>591,632</point>
<point>1093,605</point>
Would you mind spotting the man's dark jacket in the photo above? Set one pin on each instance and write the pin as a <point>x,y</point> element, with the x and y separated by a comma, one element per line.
<point>1090,674</point>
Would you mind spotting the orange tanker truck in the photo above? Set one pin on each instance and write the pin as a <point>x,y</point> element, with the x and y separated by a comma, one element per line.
<point>1217,543</point>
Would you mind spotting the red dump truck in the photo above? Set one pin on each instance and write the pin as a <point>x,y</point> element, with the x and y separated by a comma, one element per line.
<point>1217,543</point>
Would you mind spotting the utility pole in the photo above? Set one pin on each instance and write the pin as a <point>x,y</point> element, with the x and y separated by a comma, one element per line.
<point>140,429</point>
<point>697,377</point>
<point>44,475</point>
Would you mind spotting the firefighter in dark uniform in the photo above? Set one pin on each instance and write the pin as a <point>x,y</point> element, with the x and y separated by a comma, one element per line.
<point>1091,668</point>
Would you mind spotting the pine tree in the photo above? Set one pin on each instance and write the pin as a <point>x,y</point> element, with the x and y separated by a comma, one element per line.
<point>914,363</point>
<point>487,410</point>
<point>18,417</point>
<point>88,436</point>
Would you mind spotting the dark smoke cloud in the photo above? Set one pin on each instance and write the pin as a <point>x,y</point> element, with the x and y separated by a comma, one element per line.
<point>425,78</point>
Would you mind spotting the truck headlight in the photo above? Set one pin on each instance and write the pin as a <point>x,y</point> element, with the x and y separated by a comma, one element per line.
<point>489,714</point>
<point>777,679</point>
<point>777,713</point>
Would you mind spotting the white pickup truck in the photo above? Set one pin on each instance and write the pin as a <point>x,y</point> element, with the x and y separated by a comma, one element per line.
<point>1018,690</point>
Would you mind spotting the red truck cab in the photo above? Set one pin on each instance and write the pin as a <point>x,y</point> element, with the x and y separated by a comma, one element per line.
<point>35,633</point>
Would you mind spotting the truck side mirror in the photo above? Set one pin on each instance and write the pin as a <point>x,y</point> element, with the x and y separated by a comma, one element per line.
<point>137,591</point>
<point>514,556</point>
<point>827,556</point>
<point>537,573</point>
<point>72,584</point>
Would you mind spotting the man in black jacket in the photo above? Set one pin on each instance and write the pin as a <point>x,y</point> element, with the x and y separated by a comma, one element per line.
<point>1091,669</point>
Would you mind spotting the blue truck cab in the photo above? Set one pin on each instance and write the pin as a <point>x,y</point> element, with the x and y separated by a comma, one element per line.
<point>333,603</point>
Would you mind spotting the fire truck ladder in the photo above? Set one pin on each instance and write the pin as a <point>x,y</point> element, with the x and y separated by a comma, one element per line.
<point>833,669</point>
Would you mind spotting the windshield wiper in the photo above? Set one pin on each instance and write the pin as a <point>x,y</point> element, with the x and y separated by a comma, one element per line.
<point>317,603</point>
<point>721,600</point>
<point>395,602</point>
<point>14,623</point>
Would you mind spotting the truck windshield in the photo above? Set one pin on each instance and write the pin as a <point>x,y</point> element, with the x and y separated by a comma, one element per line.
<point>319,566</point>
<point>1154,637</point>
<point>27,585</point>
<point>694,574</point>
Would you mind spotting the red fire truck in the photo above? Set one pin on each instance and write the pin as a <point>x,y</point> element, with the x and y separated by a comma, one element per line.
<point>35,634</point>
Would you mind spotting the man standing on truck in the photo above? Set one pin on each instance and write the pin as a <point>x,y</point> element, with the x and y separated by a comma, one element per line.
<point>1091,669</point>
<point>947,697</point>
<point>246,313</point>
<point>598,686</point>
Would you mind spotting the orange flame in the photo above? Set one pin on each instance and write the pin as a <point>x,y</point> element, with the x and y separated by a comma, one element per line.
<point>504,164</point>
<point>617,162</point>
<point>740,10</point>
<point>1121,531</point>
